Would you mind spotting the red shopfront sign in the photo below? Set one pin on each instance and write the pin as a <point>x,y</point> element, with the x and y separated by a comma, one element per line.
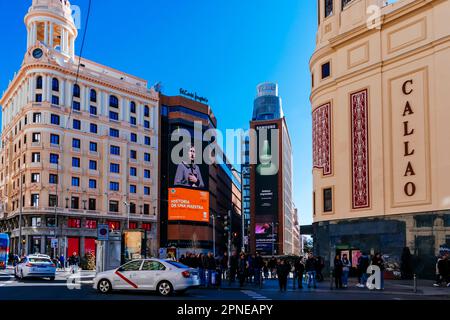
<point>114,225</point>
<point>147,226</point>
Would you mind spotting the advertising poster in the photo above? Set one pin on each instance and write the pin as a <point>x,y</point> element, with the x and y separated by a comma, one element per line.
<point>265,238</point>
<point>189,205</point>
<point>132,245</point>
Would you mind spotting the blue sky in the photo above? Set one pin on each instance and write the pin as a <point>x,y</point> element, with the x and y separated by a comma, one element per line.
<point>220,49</point>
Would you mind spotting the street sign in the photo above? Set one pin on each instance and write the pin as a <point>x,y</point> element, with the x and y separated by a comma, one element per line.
<point>54,243</point>
<point>103,232</point>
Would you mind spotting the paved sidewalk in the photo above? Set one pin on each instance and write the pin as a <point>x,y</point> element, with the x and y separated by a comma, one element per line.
<point>424,287</point>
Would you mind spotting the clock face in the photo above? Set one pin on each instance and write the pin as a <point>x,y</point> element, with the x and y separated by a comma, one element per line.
<point>37,53</point>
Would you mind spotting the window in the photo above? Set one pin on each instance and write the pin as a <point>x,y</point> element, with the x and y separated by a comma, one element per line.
<point>36,222</point>
<point>35,157</point>
<point>132,225</point>
<point>93,146</point>
<point>76,106</point>
<point>327,200</point>
<point>76,162</point>
<point>76,124</point>
<point>39,82</point>
<point>147,226</point>
<point>92,165</point>
<point>93,95</point>
<point>93,128</point>
<point>75,182</point>
<point>75,203</point>
<point>147,174</point>
<point>345,2</point>
<point>35,200</point>
<point>114,150</point>
<point>147,191</point>
<point>113,116</point>
<point>52,201</point>
<point>147,157</point>
<point>92,184</point>
<point>131,266</point>
<point>54,119</point>
<point>132,107</point>
<point>55,84</point>
<point>76,91</point>
<point>132,207</point>
<point>133,137</point>
<point>147,141</point>
<point>55,100</point>
<point>424,221</point>
<point>113,102</point>
<point>146,124</point>
<point>133,172</point>
<point>150,265</point>
<point>114,168</point>
<point>36,137</point>
<point>91,224</point>
<point>54,158</point>
<point>114,207</point>
<point>54,139</point>
<point>38,97</point>
<point>325,70</point>
<point>146,209</point>
<point>93,110</point>
<point>74,223</point>
<point>328,8</point>
<point>76,143</point>
<point>53,178</point>
<point>132,188</point>
<point>37,117</point>
<point>35,178</point>
<point>93,207</point>
<point>133,121</point>
<point>114,132</point>
<point>133,154</point>
<point>146,111</point>
<point>114,186</point>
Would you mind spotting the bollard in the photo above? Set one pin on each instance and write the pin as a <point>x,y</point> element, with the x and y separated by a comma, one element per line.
<point>415,283</point>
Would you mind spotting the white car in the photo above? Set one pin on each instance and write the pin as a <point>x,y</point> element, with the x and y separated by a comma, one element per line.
<point>163,276</point>
<point>37,265</point>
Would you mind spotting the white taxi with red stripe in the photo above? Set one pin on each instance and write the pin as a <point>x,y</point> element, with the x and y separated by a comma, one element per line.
<point>163,276</point>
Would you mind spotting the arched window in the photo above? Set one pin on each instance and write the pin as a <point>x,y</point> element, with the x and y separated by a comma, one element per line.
<point>55,84</point>
<point>113,101</point>
<point>93,95</point>
<point>39,82</point>
<point>146,111</point>
<point>132,107</point>
<point>76,91</point>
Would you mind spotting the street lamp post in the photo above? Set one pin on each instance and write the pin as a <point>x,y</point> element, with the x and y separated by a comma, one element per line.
<point>128,213</point>
<point>214,234</point>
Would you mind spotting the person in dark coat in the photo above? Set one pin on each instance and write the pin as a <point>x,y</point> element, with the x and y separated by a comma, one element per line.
<point>310,267</point>
<point>242,269</point>
<point>258,265</point>
<point>363,264</point>
<point>377,260</point>
<point>272,267</point>
<point>234,267</point>
<point>338,271</point>
<point>320,264</point>
<point>299,271</point>
<point>406,267</point>
<point>283,270</point>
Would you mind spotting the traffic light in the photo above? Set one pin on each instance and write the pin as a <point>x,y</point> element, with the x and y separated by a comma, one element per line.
<point>226,226</point>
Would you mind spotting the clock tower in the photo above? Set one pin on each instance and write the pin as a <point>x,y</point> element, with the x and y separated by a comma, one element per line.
<point>50,24</point>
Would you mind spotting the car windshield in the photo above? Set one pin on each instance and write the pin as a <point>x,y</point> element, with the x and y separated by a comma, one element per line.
<point>178,265</point>
<point>40,260</point>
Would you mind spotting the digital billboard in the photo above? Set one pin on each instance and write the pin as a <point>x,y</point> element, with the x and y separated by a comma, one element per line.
<point>265,235</point>
<point>188,193</point>
<point>188,205</point>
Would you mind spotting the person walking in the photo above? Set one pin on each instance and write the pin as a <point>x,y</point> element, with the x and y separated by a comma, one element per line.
<point>62,262</point>
<point>257,268</point>
<point>338,271</point>
<point>320,264</point>
<point>310,268</point>
<point>74,261</point>
<point>211,267</point>
<point>224,266</point>
<point>234,267</point>
<point>283,270</point>
<point>442,270</point>
<point>299,271</point>
<point>346,265</point>
<point>406,268</point>
<point>272,267</point>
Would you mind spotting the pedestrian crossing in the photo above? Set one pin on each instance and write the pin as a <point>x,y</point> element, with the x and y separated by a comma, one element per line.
<point>254,295</point>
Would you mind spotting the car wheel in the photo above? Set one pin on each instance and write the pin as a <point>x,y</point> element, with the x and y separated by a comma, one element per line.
<point>104,286</point>
<point>165,288</point>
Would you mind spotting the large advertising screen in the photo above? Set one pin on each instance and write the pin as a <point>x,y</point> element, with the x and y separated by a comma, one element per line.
<point>188,194</point>
<point>187,204</point>
<point>266,188</point>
